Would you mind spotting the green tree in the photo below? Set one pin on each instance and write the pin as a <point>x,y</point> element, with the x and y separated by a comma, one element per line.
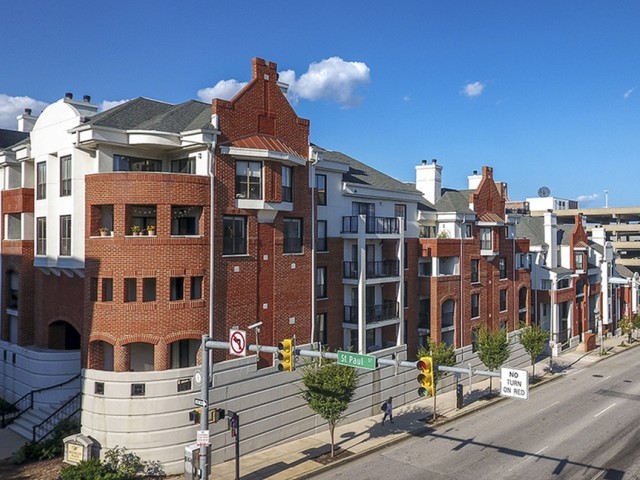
<point>441,354</point>
<point>636,323</point>
<point>626,325</point>
<point>328,390</point>
<point>533,339</point>
<point>493,349</point>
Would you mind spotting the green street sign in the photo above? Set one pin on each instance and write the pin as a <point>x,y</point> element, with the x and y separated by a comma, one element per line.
<point>357,360</point>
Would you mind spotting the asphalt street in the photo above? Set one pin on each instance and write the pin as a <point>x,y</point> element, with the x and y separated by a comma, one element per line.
<point>584,425</point>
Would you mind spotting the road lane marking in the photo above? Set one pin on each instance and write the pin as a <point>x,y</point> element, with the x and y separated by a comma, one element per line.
<point>599,475</point>
<point>548,406</point>
<point>528,457</point>
<point>610,406</point>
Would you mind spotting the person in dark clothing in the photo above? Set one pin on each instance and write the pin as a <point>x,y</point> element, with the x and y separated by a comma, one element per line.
<point>388,411</point>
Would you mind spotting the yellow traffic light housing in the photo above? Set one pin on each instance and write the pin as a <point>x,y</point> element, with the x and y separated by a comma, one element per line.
<point>285,355</point>
<point>425,377</point>
<point>194,415</point>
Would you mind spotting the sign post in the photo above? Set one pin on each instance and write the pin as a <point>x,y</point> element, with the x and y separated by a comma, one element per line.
<point>238,342</point>
<point>357,360</point>
<point>514,383</point>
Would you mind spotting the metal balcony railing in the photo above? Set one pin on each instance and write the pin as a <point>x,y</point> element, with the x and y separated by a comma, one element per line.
<point>379,225</point>
<point>374,313</point>
<point>381,269</point>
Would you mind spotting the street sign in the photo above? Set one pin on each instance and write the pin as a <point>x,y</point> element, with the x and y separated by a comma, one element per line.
<point>514,383</point>
<point>197,377</point>
<point>350,359</point>
<point>238,342</point>
<point>200,402</point>
<point>202,438</point>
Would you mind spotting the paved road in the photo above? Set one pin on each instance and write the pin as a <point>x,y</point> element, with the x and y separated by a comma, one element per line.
<point>585,425</point>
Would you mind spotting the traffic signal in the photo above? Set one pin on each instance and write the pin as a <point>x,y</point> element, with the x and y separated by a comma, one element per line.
<point>425,377</point>
<point>285,355</point>
<point>194,415</point>
<point>216,414</point>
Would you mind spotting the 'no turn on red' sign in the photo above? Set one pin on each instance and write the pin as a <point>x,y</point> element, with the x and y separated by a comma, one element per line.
<point>238,342</point>
<point>514,383</point>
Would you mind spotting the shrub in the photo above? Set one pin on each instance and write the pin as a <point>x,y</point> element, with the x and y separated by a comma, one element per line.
<point>50,448</point>
<point>119,464</point>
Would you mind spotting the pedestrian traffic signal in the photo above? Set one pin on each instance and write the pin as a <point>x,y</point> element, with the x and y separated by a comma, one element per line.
<point>425,377</point>
<point>285,355</point>
<point>216,414</point>
<point>194,415</point>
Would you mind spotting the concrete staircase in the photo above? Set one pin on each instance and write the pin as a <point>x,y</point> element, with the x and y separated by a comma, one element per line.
<point>23,425</point>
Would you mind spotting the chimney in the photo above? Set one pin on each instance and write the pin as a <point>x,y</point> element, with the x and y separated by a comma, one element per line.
<point>474,180</point>
<point>86,98</point>
<point>68,96</point>
<point>551,238</point>
<point>429,180</point>
<point>26,121</point>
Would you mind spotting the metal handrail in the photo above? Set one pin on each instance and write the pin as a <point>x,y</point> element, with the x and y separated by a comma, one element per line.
<point>51,419</point>
<point>14,407</point>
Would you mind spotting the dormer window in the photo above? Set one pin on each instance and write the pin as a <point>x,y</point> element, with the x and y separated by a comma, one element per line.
<point>579,261</point>
<point>287,183</point>
<point>249,180</point>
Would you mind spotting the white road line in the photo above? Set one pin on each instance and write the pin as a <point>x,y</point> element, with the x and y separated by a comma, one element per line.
<point>599,474</point>
<point>610,406</point>
<point>528,457</point>
<point>548,406</point>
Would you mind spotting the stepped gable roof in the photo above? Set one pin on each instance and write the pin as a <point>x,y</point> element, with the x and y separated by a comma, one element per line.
<point>8,138</point>
<point>531,228</point>
<point>145,114</point>
<point>454,201</point>
<point>364,175</point>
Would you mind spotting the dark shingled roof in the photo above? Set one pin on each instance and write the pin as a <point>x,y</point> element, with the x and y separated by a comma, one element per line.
<point>9,138</point>
<point>531,228</point>
<point>454,201</point>
<point>145,114</point>
<point>362,174</point>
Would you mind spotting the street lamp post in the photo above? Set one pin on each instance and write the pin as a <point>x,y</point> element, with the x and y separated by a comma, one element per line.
<point>553,343</point>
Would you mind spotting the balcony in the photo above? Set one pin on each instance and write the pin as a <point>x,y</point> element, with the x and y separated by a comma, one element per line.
<point>374,313</point>
<point>382,269</point>
<point>373,225</point>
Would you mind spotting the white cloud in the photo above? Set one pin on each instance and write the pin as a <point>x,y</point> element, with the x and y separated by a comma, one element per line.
<point>107,104</point>
<point>406,98</point>
<point>473,89</point>
<point>587,199</point>
<point>11,107</point>
<point>628,93</point>
<point>224,90</point>
<point>332,79</point>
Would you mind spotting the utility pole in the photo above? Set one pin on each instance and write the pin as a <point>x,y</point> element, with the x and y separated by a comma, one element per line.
<point>204,417</point>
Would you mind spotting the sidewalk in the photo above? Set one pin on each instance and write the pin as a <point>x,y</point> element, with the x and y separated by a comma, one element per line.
<point>296,460</point>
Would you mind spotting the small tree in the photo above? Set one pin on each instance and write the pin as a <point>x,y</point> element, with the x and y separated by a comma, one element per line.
<point>493,349</point>
<point>329,388</point>
<point>441,354</point>
<point>533,339</point>
<point>636,322</point>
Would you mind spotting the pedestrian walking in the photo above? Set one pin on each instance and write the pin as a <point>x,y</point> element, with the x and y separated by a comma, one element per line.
<point>388,410</point>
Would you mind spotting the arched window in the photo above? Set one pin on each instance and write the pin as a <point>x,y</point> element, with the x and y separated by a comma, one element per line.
<point>141,357</point>
<point>63,336</point>
<point>448,324</point>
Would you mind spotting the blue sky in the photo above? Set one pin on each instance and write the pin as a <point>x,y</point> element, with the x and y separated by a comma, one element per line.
<point>545,92</point>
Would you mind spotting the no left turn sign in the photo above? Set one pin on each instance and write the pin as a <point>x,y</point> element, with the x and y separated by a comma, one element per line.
<point>238,342</point>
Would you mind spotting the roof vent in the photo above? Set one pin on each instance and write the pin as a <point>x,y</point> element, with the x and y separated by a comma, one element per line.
<point>475,172</point>
<point>424,162</point>
<point>434,161</point>
<point>27,111</point>
<point>86,98</point>
<point>68,96</point>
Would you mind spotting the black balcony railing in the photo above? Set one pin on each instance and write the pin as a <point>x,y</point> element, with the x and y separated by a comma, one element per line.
<point>388,225</point>
<point>374,313</point>
<point>382,269</point>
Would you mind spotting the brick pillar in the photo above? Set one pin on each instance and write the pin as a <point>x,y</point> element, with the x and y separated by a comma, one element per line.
<point>96,355</point>
<point>161,356</point>
<point>121,358</point>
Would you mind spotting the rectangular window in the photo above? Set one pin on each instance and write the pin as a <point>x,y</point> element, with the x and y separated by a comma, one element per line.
<point>65,176</point>
<point>123,163</point>
<point>475,333</point>
<point>184,165</point>
<point>475,305</point>
<point>93,289</point>
<point>321,189</point>
<point>41,236</point>
<point>292,235</point>
<point>107,289</point>
<point>503,299</point>
<point>425,268</point>
<point>502,266</point>
<point>13,226</point>
<point>148,289</point>
<point>468,231</point>
<point>41,180</point>
<point>321,322</point>
<point>287,184</point>
<point>321,282</point>
<point>322,236</point>
<point>249,180</point>
<point>177,288</point>
<point>579,261</point>
<point>475,274</point>
<point>185,220</point>
<point>142,216</point>
<point>65,235</point>
<point>130,294</point>
<point>401,211</point>
<point>234,240</point>
<point>486,242</point>
<point>406,255</point>
<point>196,288</point>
